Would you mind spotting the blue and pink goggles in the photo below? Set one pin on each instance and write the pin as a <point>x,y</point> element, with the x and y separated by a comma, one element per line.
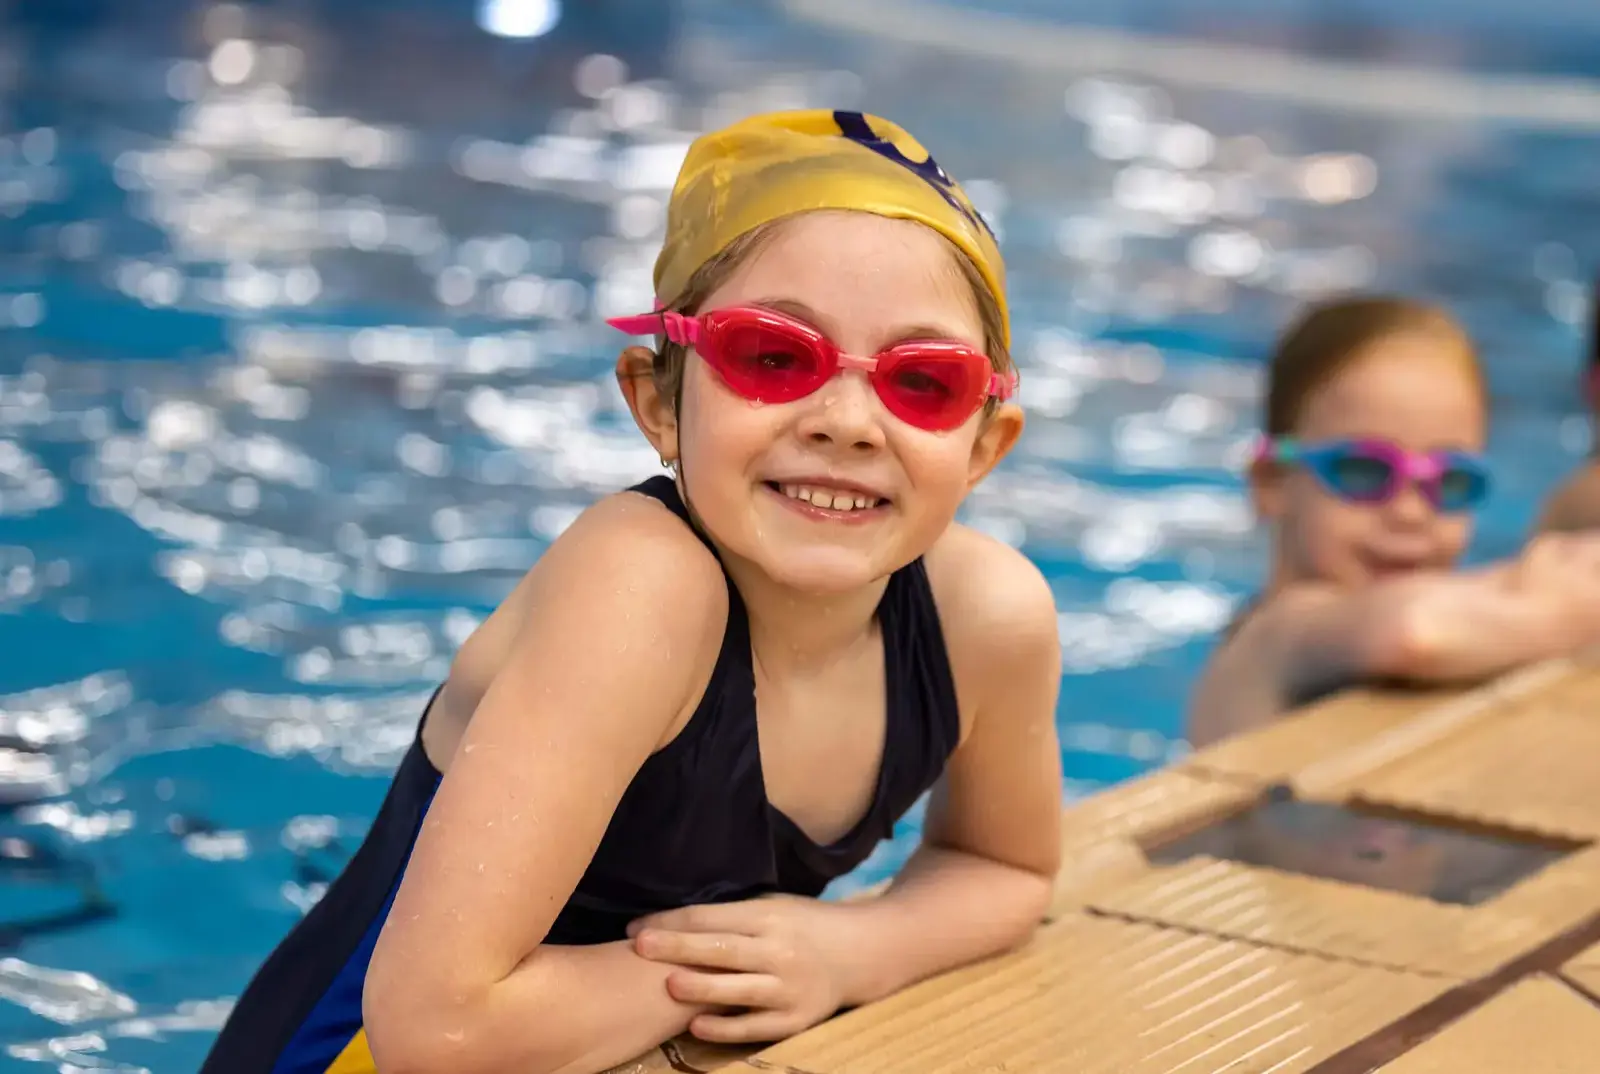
<point>1374,471</point>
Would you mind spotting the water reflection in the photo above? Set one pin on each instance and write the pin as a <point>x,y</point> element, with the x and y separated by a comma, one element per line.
<point>302,363</point>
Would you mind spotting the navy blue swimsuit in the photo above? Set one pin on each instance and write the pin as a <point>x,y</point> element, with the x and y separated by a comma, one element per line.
<point>694,826</point>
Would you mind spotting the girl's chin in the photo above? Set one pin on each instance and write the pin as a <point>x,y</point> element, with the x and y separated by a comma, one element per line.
<point>827,575</point>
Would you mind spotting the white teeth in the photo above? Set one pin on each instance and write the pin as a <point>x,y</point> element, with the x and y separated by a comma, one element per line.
<point>828,498</point>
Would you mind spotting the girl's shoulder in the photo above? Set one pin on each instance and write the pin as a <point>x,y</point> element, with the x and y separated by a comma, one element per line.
<point>627,550</point>
<point>620,537</point>
<point>984,584</point>
<point>997,612</point>
<point>632,538</point>
<point>1575,504</point>
<point>635,522</point>
<point>1247,607</point>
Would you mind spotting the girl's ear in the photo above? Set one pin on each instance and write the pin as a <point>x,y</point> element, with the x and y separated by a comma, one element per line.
<point>652,411</point>
<point>1267,493</point>
<point>996,437</point>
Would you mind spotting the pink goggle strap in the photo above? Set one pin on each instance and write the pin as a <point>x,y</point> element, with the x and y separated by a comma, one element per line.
<point>682,330</point>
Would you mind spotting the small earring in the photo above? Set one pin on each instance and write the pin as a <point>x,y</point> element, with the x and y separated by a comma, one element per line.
<point>666,463</point>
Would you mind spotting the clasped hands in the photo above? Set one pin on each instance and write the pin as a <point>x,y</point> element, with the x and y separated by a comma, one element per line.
<point>765,968</point>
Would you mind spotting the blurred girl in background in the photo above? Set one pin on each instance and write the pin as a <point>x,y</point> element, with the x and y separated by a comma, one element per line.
<point>1370,468</point>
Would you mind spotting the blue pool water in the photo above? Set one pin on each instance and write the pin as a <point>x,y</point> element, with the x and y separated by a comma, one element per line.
<point>300,367</point>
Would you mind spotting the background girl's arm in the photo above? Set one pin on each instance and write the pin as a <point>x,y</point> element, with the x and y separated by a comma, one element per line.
<point>991,843</point>
<point>623,622</point>
<point>1429,627</point>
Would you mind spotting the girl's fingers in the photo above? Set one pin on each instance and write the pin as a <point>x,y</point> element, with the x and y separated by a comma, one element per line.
<point>758,990</point>
<point>712,950</point>
<point>759,1026</point>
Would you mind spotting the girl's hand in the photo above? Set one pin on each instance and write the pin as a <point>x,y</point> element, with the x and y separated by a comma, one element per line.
<point>1560,559</point>
<point>1564,569</point>
<point>771,967</point>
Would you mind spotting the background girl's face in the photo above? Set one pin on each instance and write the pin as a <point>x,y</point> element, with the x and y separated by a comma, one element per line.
<point>867,283</point>
<point>1415,391</point>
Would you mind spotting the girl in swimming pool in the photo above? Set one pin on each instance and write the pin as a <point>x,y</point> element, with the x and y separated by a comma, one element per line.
<point>716,692</point>
<point>1575,505</point>
<point>1376,417</point>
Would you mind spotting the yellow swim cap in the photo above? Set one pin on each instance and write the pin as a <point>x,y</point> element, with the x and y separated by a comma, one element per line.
<point>780,163</point>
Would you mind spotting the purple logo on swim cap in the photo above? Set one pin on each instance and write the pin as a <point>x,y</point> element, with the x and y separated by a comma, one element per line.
<point>854,126</point>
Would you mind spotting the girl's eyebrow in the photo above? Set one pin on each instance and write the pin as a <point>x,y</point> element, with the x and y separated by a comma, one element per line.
<point>796,309</point>
<point>800,311</point>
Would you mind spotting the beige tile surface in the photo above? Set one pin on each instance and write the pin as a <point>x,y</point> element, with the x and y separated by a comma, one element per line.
<point>1102,835</point>
<point>1099,996</point>
<point>1558,897</point>
<point>684,1055</point>
<point>1155,804</point>
<point>1537,1026</point>
<point>1531,768</point>
<point>1209,966</point>
<point>1432,726</point>
<point>1586,959</point>
<point>1583,970</point>
<point>1273,754</point>
<point>1304,913</point>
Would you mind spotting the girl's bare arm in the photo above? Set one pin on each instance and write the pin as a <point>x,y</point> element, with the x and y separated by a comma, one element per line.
<point>623,619</point>
<point>1431,627</point>
<point>991,844</point>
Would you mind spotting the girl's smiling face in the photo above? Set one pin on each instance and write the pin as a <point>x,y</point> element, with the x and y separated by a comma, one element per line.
<point>754,473</point>
<point>1411,390</point>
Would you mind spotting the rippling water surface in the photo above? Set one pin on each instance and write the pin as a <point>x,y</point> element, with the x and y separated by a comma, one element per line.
<point>301,365</point>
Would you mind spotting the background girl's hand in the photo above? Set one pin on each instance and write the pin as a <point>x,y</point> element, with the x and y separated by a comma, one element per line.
<point>770,967</point>
<point>1560,556</point>
<point>1564,568</point>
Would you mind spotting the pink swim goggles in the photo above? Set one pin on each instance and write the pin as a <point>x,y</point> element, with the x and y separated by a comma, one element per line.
<point>766,357</point>
<point>1373,471</point>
